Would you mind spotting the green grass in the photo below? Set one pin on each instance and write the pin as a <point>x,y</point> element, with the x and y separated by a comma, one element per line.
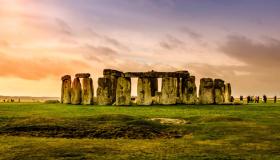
<point>56,131</point>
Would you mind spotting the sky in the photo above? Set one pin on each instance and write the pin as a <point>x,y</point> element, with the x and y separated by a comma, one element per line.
<point>235,40</point>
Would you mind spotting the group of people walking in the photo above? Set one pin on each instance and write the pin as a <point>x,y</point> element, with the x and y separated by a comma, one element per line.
<point>256,99</point>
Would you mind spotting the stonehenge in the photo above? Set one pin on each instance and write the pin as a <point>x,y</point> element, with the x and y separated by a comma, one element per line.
<point>114,88</point>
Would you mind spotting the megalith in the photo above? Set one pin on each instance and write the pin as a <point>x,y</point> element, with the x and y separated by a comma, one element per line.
<point>76,92</point>
<point>206,91</point>
<point>66,89</point>
<point>87,91</point>
<point>219,88</point>
<point>227,93</point>
<point>144,91</point>
<point>191,90</point>
<point>169,91</point>
<point>82,75</point>
<point>105,93</point>
<point>123,93</point>
<point>113,76</point>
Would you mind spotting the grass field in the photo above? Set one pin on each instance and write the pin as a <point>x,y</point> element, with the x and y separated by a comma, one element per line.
<point>56,131</point>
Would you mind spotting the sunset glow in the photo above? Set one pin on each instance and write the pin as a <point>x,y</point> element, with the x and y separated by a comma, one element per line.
<point>41,40</point>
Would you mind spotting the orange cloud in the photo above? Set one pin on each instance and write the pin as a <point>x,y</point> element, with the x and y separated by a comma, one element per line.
<point>38,68</point>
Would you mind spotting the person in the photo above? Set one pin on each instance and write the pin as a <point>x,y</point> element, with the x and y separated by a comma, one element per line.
<point>241,98</point>
<point>264,98</point>
<point>275,99</point>
<point>248,99</point>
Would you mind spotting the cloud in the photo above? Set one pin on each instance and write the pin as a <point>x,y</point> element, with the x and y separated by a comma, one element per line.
<point>191,33</point>
<point>38,68</point>
<point>64,27</point>
<point>255,54</point>
<point>170,42</point>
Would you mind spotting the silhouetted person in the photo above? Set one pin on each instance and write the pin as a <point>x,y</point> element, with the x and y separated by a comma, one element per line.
<point>264,98</point>
<point>275,99</point>
<point>241,98</point>
<point>248,99</point>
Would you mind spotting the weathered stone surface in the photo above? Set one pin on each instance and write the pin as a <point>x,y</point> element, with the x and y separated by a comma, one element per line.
<point>76,92</point>
<point>123,94</point>
<point>105,94</point>
<point>66,77</point>
<point>227,93</point>
<point>192,91</point>
<point>111,72</point>
<point>87,91</point>
<point>153,74</point>
<point>188,90</point>
<point>82,75</point>
<point>144,91</point>
<point>156,98</point>
<point>206,91</point>
<point>169,91</point>
<point>66,89</point>
<point>219,89</point>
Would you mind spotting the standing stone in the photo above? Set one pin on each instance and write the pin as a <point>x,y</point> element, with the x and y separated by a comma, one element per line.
<point>144,91</point>
<point>188,90</point>
<point>76,92</point>
<point>123,94</point>
<point>169,91</point>
<point>87,92</point>
<point>206,91</point>
<point>66,89</point>
<point>105,94</point>
<point>227,94</point>
<point>191,90</point>
<point>219,89</point>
